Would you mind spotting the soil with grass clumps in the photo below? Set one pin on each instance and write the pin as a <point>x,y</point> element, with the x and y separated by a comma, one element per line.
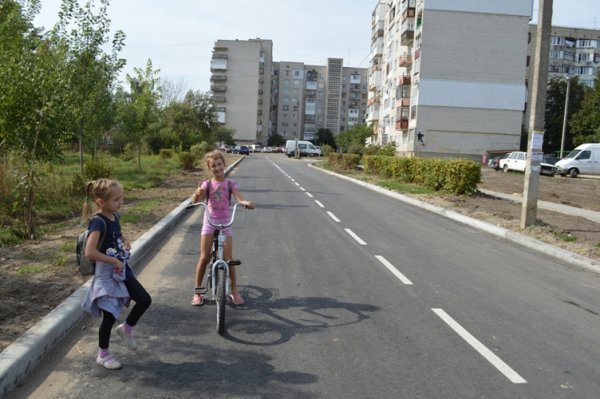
<point>32,283</point>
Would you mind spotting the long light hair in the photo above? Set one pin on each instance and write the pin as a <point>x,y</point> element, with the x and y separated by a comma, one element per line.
<point>95,190</point>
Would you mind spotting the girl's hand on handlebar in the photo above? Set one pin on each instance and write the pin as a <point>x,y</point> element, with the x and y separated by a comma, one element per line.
<point>248,204</point>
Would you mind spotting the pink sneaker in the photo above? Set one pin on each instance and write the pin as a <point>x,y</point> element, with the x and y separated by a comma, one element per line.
<point>236,299</point>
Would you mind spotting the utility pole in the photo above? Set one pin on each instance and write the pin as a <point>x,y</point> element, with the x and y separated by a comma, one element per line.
<point>535,138</point>
<point>566,114</point>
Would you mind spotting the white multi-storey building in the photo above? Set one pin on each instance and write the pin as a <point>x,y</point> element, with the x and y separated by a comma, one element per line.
<point>447,78</point>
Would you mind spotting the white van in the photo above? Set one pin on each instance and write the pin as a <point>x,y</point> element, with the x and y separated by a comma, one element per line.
<point>255,147</point>
<point>306,148</point>
<point>585,160</point>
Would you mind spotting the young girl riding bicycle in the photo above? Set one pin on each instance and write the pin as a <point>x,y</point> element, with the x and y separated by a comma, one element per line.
<point>219,191</point>
<point>114,284</point>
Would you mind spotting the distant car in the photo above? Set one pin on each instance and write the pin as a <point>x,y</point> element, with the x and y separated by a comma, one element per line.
<point>550,159</point>
<point>244,150</point>
<point>517,161</point>
<point>494,163</point>
<point>226,148</point>
<point>267,149</point>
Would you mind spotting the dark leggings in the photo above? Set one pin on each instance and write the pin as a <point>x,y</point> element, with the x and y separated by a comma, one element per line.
<point>142,302</point>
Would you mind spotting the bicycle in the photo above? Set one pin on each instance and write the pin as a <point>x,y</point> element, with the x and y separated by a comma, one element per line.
<point>218,269</point>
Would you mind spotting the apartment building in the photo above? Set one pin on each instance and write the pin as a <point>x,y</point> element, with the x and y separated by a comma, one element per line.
<point>447,79</point>
<point>307,98</point>
<point>573,52</point>
<point>241,87</point>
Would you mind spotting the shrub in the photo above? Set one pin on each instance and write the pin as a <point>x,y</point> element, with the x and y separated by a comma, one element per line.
<point>97,169</point>
<point>186,160</point>
<point>165,153</point>
<point>199,150</point>
<point>326,149</point>
<point>388,149</point>
<point>371,150</point>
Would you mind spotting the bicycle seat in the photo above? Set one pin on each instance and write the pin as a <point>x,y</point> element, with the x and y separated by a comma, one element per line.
<point>234,262</point>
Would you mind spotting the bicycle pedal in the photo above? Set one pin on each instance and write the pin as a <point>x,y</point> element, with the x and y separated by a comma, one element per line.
<point>200,290</point>
<point>234,262</point>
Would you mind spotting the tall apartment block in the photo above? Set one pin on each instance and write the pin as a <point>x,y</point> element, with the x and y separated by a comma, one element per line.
<point>447,78</point>
<point>241,87</point>
<point>573,52</point>
<point>307,98</point>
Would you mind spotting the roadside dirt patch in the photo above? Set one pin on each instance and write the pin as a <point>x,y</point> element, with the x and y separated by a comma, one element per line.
<point>27,297</point>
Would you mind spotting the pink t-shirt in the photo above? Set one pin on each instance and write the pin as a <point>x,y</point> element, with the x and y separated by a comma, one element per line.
<point>218,201</point>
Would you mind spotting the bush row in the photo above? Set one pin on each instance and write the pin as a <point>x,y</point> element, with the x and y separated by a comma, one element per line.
<point>458,176</point>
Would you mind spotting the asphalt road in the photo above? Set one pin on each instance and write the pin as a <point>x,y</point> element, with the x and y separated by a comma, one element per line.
<point>350,294</point>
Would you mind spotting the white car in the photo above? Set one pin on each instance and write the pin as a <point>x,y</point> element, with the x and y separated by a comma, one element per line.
<point>517,160</point>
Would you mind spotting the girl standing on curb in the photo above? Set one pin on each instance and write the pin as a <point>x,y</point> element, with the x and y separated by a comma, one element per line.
<point>114,284</point>
<point>217,192</point>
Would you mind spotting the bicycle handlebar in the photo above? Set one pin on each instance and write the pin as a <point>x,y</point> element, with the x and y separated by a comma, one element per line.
<point>210,221</point>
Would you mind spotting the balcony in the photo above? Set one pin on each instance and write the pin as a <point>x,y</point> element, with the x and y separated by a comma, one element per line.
<point>218,78</point>
<point>405,60</point>
<point>402,124</point>
<point>218,89</point>
<point>219,99</point>
<point>408,13</point>
<point>404,80</point>
<point>373,100</point>
<point>407,37</point>
<point>403,102</point>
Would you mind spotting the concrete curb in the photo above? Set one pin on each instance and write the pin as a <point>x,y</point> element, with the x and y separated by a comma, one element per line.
<point>22,356</point>
<point>522,239</point>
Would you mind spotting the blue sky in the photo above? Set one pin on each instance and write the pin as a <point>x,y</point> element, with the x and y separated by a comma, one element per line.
<point>178,35</point>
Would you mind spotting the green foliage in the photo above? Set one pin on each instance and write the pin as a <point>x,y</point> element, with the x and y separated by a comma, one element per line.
<point>455,175</point>
<point>354,137</point>
<point>388,149</point>
<point>343,161</point>
<point>585,124</point>
<point>165,153</point>
<point>276,140</point>
<point>199,150</point>
<point>555,108</point>
<point>326,149</point>
<point>325,137</point>
<point>95,170</point>
<point>186,160</point>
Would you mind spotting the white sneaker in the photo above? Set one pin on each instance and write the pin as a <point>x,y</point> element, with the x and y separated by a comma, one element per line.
<point>108,362</point>
<point>127,338</point>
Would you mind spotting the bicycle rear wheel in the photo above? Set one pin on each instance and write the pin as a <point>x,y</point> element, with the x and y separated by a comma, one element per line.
<point>221,300</point>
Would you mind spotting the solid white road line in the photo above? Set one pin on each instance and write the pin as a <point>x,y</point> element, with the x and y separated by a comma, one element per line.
<point>393,269</point>
<point>331,215</point>
<point>319,203</point>
<point>357,238</point>
<point>479,347</point>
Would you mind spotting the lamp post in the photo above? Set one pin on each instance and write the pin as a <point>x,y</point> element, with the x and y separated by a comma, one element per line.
<point>564,126</point>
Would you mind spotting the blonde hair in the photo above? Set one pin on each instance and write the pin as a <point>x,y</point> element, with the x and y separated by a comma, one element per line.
<point>95,190</point>
<point>213,155</point>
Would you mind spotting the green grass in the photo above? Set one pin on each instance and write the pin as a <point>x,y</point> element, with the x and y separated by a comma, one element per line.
<point>565,236</point>
<point>32,268</point>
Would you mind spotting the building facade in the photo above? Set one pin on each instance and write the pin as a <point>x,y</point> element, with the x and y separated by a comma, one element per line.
<point>257,97</point>
<point>241,87</point>
<point>447,79</point>
<point>312,97</point>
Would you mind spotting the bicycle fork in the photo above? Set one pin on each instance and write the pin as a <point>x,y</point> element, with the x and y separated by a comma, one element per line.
<point>219,263</point>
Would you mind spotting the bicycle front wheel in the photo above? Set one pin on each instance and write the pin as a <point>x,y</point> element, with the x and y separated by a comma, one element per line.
<point>221,300</point>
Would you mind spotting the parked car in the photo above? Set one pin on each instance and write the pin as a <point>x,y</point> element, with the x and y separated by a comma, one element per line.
<point>517,161</point>
<point>267,149</point>
<point>241,149</point>
<point>226,148</point>
<point>494,163</point>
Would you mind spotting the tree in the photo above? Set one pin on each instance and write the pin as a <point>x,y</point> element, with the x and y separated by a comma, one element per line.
<point>585,124</point>
<point>224,135</point>
<point>275,140</point>
<point>555,108</point>
<point>92,72</point>
<point>325,137</point>
<point>138,108</point>
<point>33,90</point>
<point>355,136</point>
